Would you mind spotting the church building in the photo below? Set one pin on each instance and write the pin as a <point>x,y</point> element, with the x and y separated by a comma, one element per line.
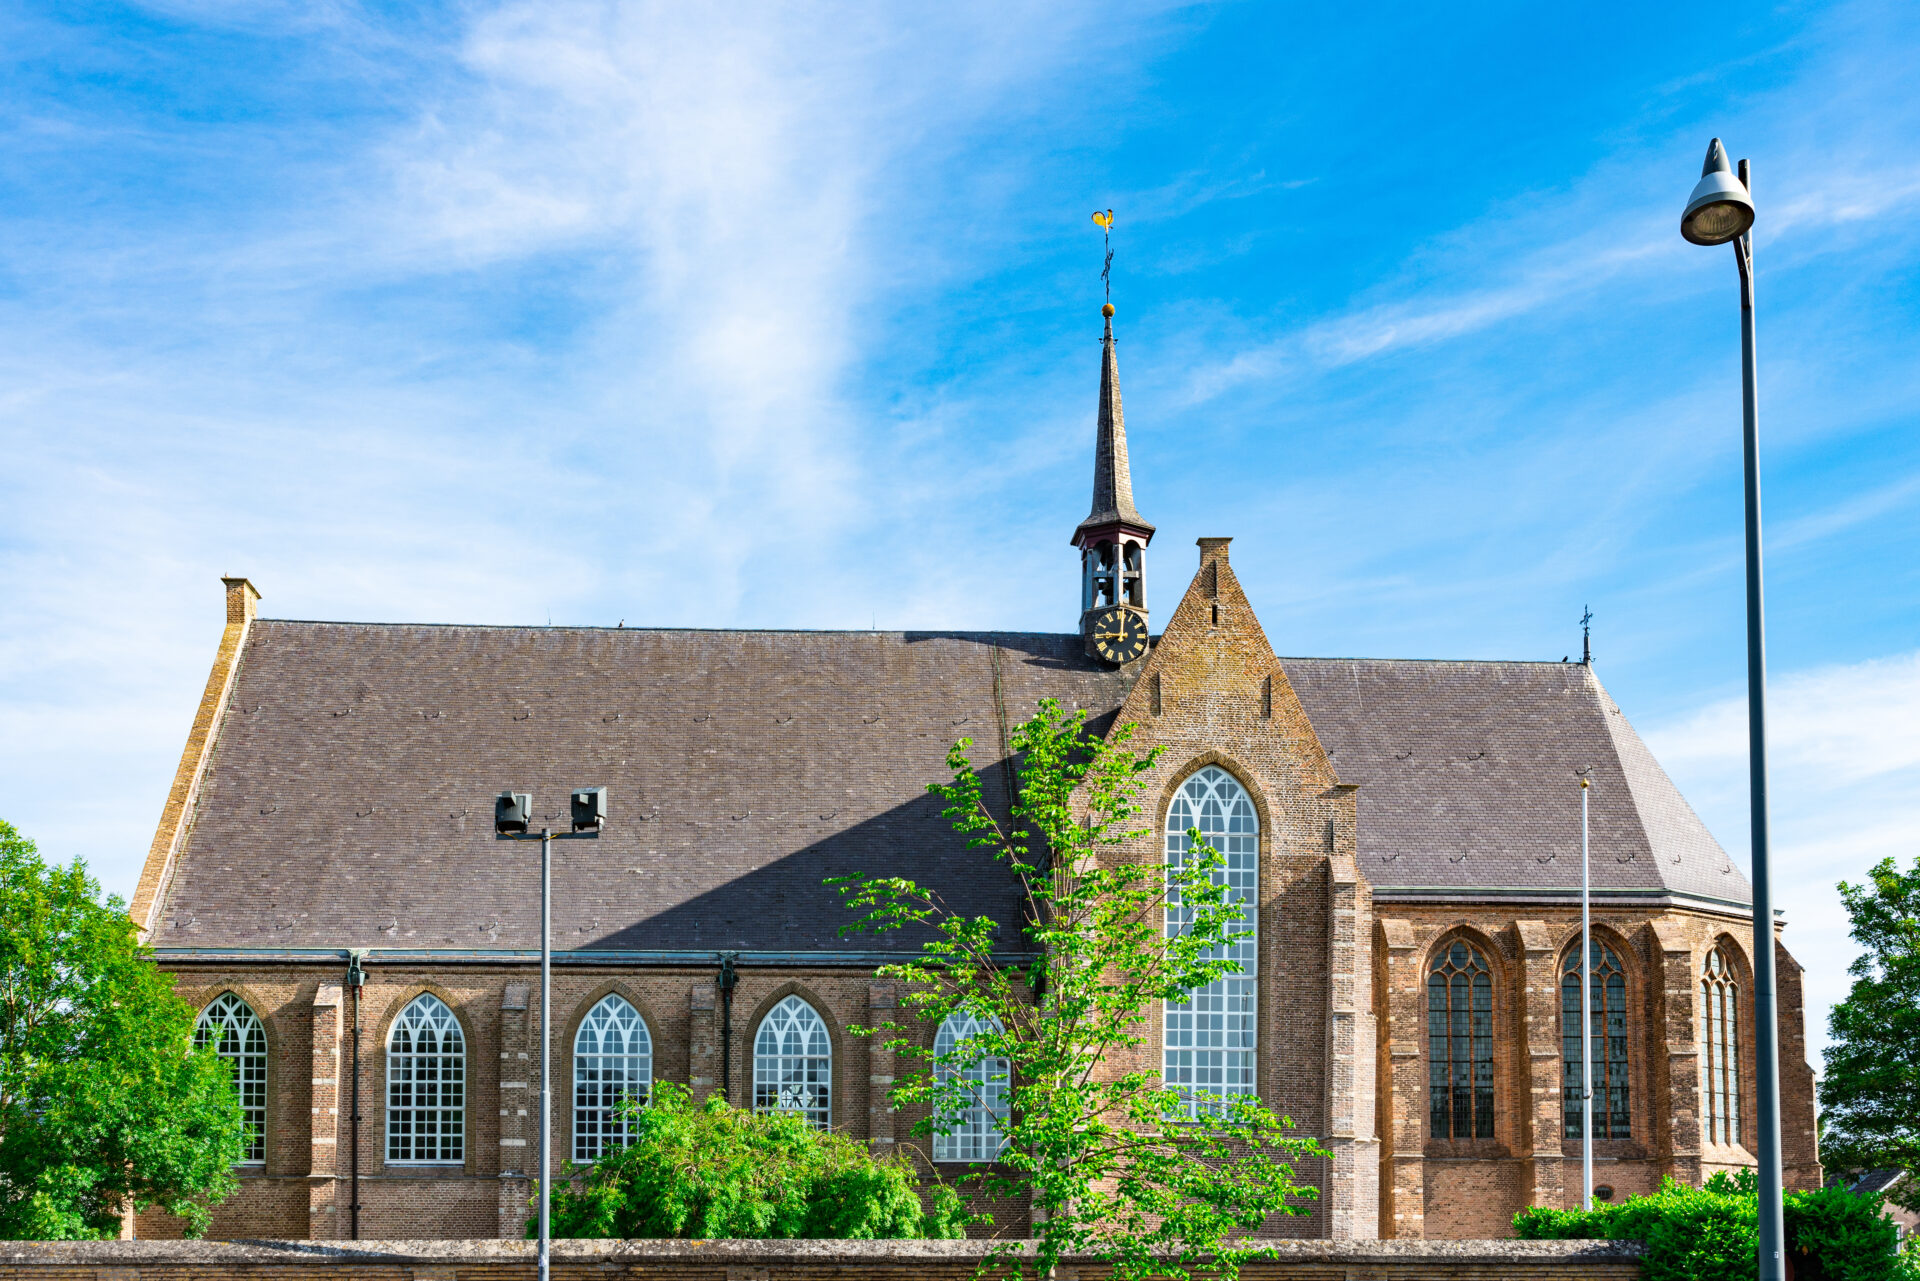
<point>326,885</point>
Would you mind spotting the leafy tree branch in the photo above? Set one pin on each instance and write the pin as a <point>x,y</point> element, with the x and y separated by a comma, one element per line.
<point>1112,1161</point>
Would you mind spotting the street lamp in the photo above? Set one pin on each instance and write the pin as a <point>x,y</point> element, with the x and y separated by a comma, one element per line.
<point>512,816</point>
<point>1719,212</point>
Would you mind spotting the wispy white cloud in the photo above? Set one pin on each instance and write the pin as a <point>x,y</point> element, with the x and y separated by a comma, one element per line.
<point>573,328</point>
<point>1843,745</point>
<point>1830,727</point>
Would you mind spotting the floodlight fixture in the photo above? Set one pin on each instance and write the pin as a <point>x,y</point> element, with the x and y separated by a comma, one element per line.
<point>589,808</point>
<point>511,812</point>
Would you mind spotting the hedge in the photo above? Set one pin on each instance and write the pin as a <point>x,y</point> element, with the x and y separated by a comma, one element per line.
<point>1711,1233</point>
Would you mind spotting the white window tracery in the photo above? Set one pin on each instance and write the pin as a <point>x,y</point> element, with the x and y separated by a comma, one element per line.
<point>793,1063</point>
<point>426,1085</point>
<point>236,1034</point>
<point>977,1133</point>
<point>1209,1037</point>
<point>612,1063</point>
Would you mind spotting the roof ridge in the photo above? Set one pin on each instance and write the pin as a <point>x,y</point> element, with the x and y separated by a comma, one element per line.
<point>708,631</point>
<point>868,631</point>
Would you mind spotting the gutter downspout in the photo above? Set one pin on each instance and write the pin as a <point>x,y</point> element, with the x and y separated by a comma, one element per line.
<point>728,980</point>
<point>356,979</point>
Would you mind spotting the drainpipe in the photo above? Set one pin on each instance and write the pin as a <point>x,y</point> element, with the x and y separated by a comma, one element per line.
<point>728,980</point>
<point>356,979</point>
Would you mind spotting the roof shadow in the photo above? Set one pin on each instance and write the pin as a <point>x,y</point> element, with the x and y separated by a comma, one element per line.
<point>787,906</point>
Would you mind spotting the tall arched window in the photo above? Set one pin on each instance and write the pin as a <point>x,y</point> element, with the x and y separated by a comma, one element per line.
<point>975,1134</point>
<point>1609,1044</point>
<point>426,1085</point>
<point>1210,1036</point>
<point>793,1063</point>
<point>1460,1043</point>
<point>236,1034</point>
<point>612,1062</point>
<point>1720,1049</point>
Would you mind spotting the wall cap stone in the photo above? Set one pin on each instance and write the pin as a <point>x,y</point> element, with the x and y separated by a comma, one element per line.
<point>1534,936</point>
<point>210,1253</point>
<point>1398,933</point>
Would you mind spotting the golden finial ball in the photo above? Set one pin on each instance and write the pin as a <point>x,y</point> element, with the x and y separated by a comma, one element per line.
<point>1106,309</point>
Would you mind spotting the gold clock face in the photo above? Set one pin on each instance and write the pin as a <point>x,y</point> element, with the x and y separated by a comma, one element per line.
<point>1118,635</point>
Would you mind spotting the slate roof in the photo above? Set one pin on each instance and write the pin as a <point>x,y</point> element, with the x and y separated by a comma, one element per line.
<point>349,800</point>
<point>1468,778</point>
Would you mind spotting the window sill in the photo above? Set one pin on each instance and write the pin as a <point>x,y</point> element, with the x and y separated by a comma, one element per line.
<point>1726,1154</point>
<point>1466,1150</point>
<point>424,1169</point>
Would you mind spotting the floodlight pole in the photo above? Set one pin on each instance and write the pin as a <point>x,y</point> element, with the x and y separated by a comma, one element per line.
<point>1766,1016</point>
<point>546,1035</point>
<point>546,838</point>
<point>1586,1006</point>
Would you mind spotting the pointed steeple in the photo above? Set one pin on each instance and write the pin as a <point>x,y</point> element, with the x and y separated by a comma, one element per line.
<point>1113,538</point>
<point>1112,478</point>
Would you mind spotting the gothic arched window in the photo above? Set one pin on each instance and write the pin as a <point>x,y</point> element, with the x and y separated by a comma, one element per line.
<point>1460,1043</point>
<point>1209,1037</point>
<point>793,1063</point>
<point>426,1085</point>
<point>1720,1049</point>
<point>236,1034</point>
<point>974,1134</point>
<point>1608,1041</point>
<point>612,1063</point>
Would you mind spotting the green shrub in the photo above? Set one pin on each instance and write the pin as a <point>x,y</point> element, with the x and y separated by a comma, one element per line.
<point>1711,1233</point>
<point>713,1171</point>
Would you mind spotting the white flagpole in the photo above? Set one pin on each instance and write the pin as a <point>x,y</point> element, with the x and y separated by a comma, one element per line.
<point>1586,1004</point>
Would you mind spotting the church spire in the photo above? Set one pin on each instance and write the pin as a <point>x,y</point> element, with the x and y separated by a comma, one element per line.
<point>1113,538</point>
<point>1112,478</point>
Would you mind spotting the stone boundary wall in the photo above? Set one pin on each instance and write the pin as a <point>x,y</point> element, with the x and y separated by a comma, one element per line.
<point>764,1261</point>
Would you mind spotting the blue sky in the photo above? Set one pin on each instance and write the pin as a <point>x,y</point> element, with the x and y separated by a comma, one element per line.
<point>787,316</point>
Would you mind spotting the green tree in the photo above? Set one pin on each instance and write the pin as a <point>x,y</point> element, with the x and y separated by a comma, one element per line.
<point>1870,1096</point>
<point>103,1101</point>
<point>714,1171</point>
<point>1113,1162</point>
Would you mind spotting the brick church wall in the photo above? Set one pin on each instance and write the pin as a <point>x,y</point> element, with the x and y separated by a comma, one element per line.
<point>1472,1188</point>
<point>1341,1011</point>
<point>302,1190</point>
<point>1212,693</point>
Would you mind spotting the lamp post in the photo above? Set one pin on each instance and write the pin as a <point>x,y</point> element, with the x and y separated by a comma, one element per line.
<point>1586,1007</point>
<point>1720,212</point>
<point>512,814</point>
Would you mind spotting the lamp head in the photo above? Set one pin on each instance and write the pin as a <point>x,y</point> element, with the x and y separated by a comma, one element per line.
<point>511,811</point>
<point>1720,208</point>
<point>589,808</point>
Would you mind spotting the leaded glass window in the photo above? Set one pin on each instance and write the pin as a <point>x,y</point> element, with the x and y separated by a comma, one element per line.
<point>1608,1042</point>
<point>1209,1036</point>
<point>612,1063</point>
<point>1720,1049</point>
<point>976,1133</point>
<point>236,1034</point>
<point>1460,1044</point>
<point>426,1085</point>
<point>793,1063</point>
